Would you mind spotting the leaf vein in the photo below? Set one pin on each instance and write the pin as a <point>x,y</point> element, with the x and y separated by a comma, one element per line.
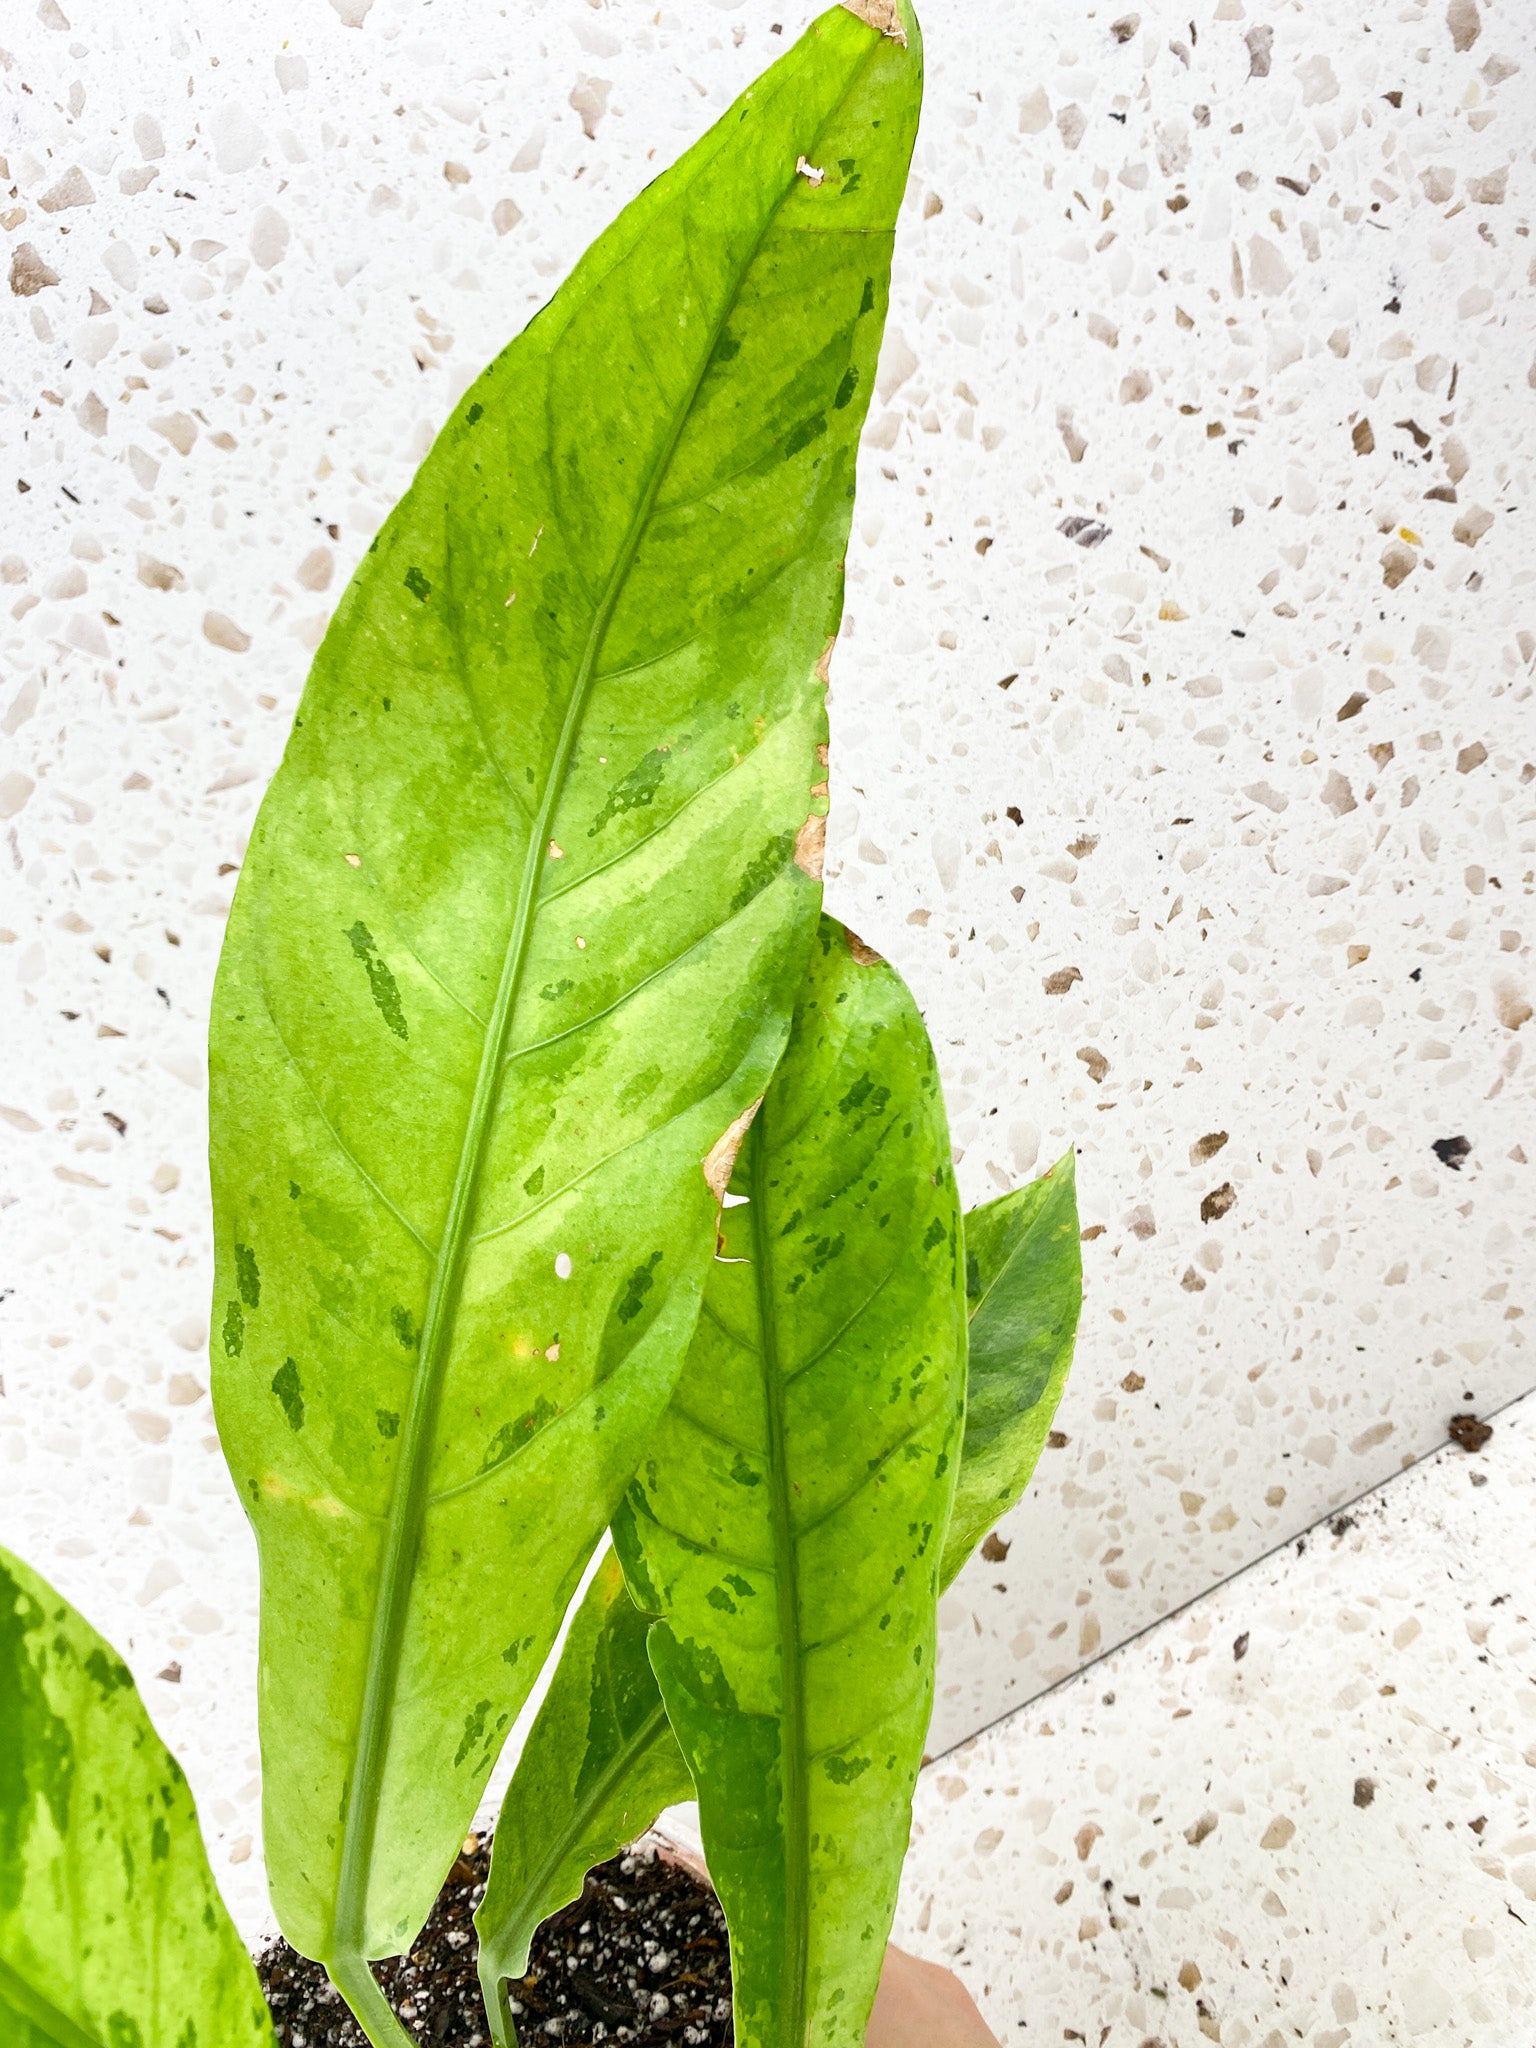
<point>342,1146</point>
<point>866,1478</point>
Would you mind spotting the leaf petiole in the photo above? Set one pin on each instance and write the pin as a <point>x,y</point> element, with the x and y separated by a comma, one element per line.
<point>498,2009</point>
<point>370,2008</point>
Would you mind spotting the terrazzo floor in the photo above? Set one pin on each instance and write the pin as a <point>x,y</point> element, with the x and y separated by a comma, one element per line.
<point>1303,1810</point>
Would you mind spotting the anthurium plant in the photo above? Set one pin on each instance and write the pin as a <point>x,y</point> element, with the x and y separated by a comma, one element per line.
<point>574,1175</point>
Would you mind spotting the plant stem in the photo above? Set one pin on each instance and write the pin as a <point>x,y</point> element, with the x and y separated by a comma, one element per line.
<point>370,2008</point>
<point>498,2010</point>
<point>792,2014</point>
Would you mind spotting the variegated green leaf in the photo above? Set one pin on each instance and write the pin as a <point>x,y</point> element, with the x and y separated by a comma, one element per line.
<point>599,1764</point>
<point>1024,1289</point>
<point>112,1931</point>
<point>515,944</point>
<point>788,1518</point>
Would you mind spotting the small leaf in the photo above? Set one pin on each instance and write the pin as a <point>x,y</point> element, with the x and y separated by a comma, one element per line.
<point>112,1930</point>
<point>1024,1288</point>
<point>599,1764</point>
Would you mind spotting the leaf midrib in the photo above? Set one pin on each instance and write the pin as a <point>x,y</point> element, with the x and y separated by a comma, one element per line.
<point>794,1950</point>
<point>409,1498</point>
<point>408,1502</point>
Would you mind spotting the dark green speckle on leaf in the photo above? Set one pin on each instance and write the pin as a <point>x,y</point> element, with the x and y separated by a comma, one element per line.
<point>511,1436</point>
<point>803,435</point>
<point>381,983</point>
<point>760,871</point>
<point>474,1730</point>
<point>248,1275</point>
<point>866,1094</point>
<point>417,584</point>
<point>634,791</point>
<point>289,1390</point>
<point>842,1770</point>
<point>108,1673</point>
<point>639,1285</point>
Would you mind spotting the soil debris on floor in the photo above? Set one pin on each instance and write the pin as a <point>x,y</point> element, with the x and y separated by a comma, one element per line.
<point>1469,1432</point>
<point>640,1958</point>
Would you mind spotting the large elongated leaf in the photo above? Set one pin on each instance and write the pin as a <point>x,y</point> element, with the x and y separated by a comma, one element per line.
<point>112,1931</point>
<point>1024,1290</point>
<point>515,944</point>
<point>788,1517</point>
<point>600,1763</point>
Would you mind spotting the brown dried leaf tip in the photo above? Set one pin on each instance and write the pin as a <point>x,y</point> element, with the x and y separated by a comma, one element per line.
<point>720,1160</point>
<point>811,846</point>
<point>880,14</point>
<point>865,955</point>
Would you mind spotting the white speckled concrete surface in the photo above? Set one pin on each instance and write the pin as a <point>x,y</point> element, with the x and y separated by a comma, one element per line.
<point>1303,1811</point>
<point>1205,425</point>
